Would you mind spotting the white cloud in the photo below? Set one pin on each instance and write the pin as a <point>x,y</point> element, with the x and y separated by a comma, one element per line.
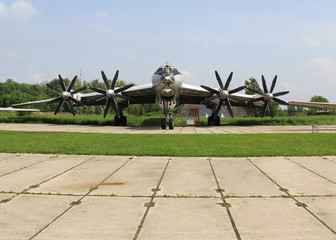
<point>323,68</point>
<point>189,77</point>
<point>3,10</point>
<point>20,10</point>
<point>102,15</point>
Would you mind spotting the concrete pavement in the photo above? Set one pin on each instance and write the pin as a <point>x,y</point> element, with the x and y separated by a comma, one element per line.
<point>120,197</point>
<point>158,130</point>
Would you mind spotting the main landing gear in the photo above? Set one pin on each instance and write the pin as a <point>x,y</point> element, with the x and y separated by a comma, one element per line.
<point>213,120</point>
<point>170,123</point>
<point>120,121</point>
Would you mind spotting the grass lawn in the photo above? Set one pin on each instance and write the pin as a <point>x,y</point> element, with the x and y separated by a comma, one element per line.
<point>224,145</point>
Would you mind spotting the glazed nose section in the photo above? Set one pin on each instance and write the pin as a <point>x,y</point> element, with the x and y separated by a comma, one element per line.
<point>167,80</point>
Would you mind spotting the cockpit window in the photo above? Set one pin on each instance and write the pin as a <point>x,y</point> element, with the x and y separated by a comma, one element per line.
<point>167,69</point>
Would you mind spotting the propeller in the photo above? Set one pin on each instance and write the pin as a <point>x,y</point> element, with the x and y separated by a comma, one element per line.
<point>66,95</point>
<point>268,96</point>
<point>223,94</point>
<point>110,94</point>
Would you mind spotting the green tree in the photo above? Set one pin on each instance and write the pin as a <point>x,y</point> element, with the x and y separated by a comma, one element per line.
<point>252,83</point>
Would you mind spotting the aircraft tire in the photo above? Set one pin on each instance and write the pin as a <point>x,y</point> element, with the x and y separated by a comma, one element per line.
<point>116,121</point>
<point>163,123</point>
<point>123,121</point>
<point>217,121</point>
<point>171,123</point>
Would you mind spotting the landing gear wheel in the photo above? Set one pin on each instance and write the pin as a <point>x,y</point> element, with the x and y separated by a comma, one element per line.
<point>171,123</point>
<point>116,121</point>
<point>211,121</point>
<point>163,123</point>
<point>123,121</point>
<point>217,121</point>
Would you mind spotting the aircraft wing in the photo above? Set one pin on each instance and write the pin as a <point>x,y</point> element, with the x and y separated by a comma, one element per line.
<point>191,94</point>
<point>34,102</point>
<point>141,94</point>
<point>313,104</point>
<point>10,109</point>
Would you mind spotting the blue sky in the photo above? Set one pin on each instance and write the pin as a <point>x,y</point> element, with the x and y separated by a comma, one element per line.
<point>293,39</point>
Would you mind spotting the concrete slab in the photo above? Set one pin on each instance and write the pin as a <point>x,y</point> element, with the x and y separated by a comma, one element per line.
<point>99,218</point>
<point>187,219</point>
<point>238,177</point>
<point>21,180</point>
<point>4,156</point>
<point>137,177</point>
<point>25,215</point>
<point>19,161</point>
<point>323,207</point>
<point>275,218</point>
<point>188,177</point>
<point>324,167</point>
<point>157,130</point>
<point>188,130</point>
<point>296,179</point>
<point>83,177</point>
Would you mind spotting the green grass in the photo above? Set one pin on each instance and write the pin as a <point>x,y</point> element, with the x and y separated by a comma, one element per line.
<point>224,145</point>
<point>155,120</point>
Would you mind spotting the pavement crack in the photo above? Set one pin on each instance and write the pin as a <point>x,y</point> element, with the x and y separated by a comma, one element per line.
<point>151,203</point>
<point>33,164</point>
<point>300,165</point>
<point>225,203</point>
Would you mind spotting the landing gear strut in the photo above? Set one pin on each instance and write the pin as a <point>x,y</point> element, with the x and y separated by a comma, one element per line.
<point>167,105</point>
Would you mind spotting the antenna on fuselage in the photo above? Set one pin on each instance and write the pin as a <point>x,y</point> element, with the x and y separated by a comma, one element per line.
<point>167,64</point>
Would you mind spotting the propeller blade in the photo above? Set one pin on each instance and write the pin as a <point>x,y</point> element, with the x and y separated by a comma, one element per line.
<point>79,90</point>
<point>59,106</point>
<point>54,89</point>
<point>280,93</point>
<point>98,90</point>
<point>271,109</point>
<point>280,101</point>
<point>107,85</point>
<point>264,84</point>
<point>228,106</point>
<point>72,110</point>
<point>72,83</point>
<point>107,107</point>
<point>219,106</point>
<point>255,91</point>
<point>210,89</point>
<point>121,89</point>
<point>114,82</point>
<point>55,100</point>
<point>124,97</point>
<point>228,81</point>
<point>115,107</point>
<point>76,101</point>
<point>273,84</point>
<point>264,108</point>
<point>62,82</point>
<point>237,89</point>
<point>219,80</point>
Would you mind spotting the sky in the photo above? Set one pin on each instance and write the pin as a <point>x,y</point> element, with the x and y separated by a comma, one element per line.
<point>292,39</point>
